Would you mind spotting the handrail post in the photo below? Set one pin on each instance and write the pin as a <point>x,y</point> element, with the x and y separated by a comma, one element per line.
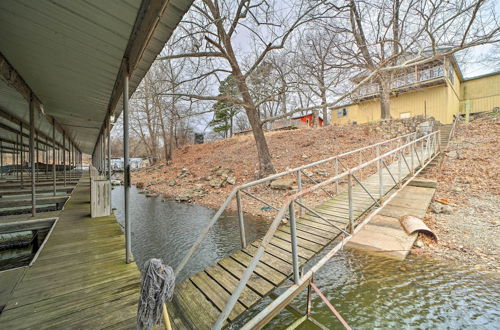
<point>293,232</point>
<point>336,174</point>
<point>422,149</point>
<point>380,176</point>
<point>299,189</point>
<point>400,155</point>
<point>241,220</point>
<point>349,195</point>
<point>412,151</point>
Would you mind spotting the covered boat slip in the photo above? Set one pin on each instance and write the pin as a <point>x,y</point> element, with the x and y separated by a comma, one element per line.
<point>79,278</point>
<point>67,70</point>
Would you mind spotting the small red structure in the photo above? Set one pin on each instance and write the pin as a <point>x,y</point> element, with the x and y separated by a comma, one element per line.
<point>308,120</point>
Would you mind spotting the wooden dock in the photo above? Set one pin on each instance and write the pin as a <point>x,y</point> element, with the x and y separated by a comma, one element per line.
<point>199,300</point>
<point>79,280</point>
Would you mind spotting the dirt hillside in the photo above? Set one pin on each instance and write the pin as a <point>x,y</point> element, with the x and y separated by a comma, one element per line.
<point>206,173</point>
<point>469,182</point>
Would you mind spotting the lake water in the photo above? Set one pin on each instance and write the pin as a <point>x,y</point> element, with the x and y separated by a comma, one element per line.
<point>370,292</point>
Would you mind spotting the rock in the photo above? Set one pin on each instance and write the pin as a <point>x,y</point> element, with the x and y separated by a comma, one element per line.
<point>185,197</point>
<point>140,185</point>
<point>457,190</point>
<point>198,190</point>
<point>217,183</point>
<point>184,173</point>
<point>419,244</point>
<point>446,209</point>
<point>151,194</point>
<point>282,184</point>
<point>231,180</point>
<point>115,182</point>
<point>436,207</point>
<point>172,182</point>
<point>305,156</point>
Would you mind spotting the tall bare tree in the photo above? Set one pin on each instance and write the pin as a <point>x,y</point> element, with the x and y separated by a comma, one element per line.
<point>212,28</point>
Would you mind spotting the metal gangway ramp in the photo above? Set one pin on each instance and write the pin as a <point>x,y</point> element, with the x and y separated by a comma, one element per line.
<point>364,180</point>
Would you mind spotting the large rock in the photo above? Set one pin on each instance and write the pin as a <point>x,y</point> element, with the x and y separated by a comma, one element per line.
<point>217,183</point>
<point>185,197</point>
<point>282,184</point>
<point>184,173</point>
<point>231,179</point>
<point>436,207</point>
<point>172,182</point>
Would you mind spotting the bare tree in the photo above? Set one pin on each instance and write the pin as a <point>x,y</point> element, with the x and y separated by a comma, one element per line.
<point>379,36</point>
<point>211,29</point>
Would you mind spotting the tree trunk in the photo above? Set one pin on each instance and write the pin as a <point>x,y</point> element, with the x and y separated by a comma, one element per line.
<point>385,103</point>
<point>171,140</point>
<point>265,161</point>
<point>325,107</point>
<point>315,118</point>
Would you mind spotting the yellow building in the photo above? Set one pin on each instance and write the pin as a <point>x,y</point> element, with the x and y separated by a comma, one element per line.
<point>435,89</point>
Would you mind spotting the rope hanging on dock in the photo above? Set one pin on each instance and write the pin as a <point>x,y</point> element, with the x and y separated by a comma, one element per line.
<point>157,287</point>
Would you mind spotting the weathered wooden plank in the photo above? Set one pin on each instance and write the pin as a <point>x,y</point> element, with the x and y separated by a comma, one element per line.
<point>256,282</point>
<point>269,273</point>
<point>225,279</point>
<point>215,293</point>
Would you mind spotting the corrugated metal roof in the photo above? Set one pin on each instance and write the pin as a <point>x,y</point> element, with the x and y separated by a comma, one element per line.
<point>70,54</point>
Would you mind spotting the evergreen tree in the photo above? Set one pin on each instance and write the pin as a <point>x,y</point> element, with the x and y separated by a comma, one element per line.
<point>225,111</point>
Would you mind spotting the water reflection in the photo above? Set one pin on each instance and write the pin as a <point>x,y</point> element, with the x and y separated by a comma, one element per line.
<point>168,229</point>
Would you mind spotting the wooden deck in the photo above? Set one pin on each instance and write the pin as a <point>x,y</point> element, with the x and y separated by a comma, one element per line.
<point>79,280</point>
<point>199,299</point>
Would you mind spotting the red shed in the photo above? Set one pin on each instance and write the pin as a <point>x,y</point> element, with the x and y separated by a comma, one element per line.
<point>308,119</point>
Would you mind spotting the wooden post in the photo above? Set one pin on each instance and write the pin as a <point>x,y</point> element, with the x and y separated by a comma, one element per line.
<point>54,156</point>
<point>32,156</point>
<point>22,153</point>
<point>1,158</point>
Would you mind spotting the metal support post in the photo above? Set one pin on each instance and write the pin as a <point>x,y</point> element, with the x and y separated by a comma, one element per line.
<point>293,233</point>
<point>336,174</point>
<point>299,189</point>
<point>349,196</point>
<point>64,157</point>
<point>1,158</point>
<point>412,151</point>
<point>380,175</point>
<point>54,156</point>
<point>32,157</point>
<point>109,148</point>
<point>241,220</point>
<point>16,157</point>
<point>22,153</point>
<point>126,168</point>
<point>400,155</point>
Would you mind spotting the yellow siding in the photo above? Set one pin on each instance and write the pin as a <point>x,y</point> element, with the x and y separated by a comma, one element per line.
<point>483,94</point>
<point>432,101</point>
<point>441,102</point>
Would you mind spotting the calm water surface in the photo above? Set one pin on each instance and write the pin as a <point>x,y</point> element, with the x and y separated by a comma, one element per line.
<point>370,292</point>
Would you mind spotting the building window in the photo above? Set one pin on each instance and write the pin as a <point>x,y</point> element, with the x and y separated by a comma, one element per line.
<point>450,74</point>
<point>342,112</point>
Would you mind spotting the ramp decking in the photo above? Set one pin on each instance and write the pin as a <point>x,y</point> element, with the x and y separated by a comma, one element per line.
<point>199,300</point>
<point>80,279</point>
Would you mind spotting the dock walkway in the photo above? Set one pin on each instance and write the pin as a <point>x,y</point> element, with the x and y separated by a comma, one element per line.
<point>79,280</point>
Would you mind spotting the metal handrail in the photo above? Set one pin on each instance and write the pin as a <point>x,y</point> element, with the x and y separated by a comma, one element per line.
<point>430,148</point>
<point>297,170</point>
